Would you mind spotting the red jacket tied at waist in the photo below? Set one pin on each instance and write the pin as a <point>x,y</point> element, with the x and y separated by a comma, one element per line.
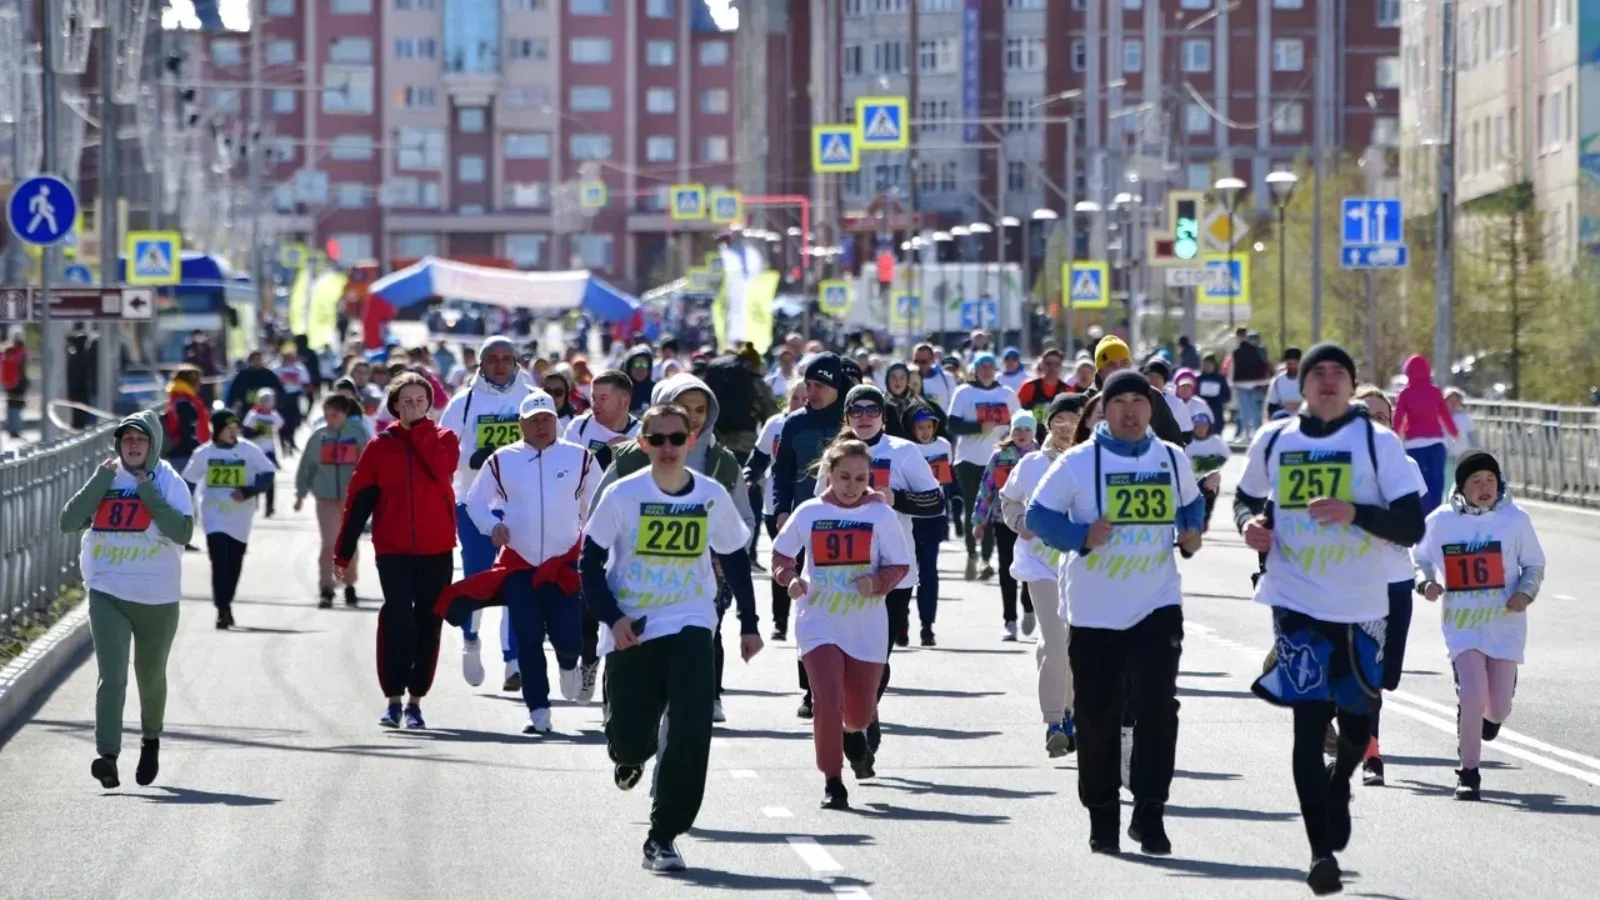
<point>460,600</point>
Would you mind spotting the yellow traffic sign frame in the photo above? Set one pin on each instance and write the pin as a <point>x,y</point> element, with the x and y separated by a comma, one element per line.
<point>864,105</point>
<point>1069,272</point>
<point>130,246</point>
<point>824,287</point>
<point>593,194</point>
<point>738,206</point>
<point>699,190</point>
<point>1204,298</point>
<point>821,133</point>
<point>293,256</point>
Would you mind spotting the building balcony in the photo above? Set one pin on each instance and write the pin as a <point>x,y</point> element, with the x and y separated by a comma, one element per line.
<point>472,88</point>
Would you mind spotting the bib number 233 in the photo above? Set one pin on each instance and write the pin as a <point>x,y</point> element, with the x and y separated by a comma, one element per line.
<point>1140,499</point>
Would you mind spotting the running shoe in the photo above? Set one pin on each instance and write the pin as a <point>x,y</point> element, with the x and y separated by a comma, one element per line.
<point>804,711</point>
<point>661,856</point>
<point>1372,772</point>
<point>1011,631</point>
<point>1029,623</point>
<point>862,765</point>
<point>414,717</point>
<point>591,677</point>
<point>538,721</point>
<point>834,795</point>
<point>1469,785</point>
<point>1148,827</point>
<point>472,662</point>
<point>1325,877</point>
<point>780,634</point>
<point>1105,821</point>
<point>350,598</point>
<point>927,637</point>
<point>149,761</point>
<point>571,683</point>
<point>986,573</point>
<point>1491,730</point>
<point>717,715</point>
<point>104,771</point>
<point>627,777</point>
<point>1058,740</point>
<point>902,638</point>
<point>325,599</point>
<point>513,682</point>
<point>391,716</point>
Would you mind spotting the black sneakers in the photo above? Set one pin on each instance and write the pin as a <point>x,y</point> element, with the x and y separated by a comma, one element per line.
<point>804,711</point>
<point>834,796</point>
<point>1105,821</point>
<point>325,599</point>
<point>350,598</point>
<point>858,750</point>
<point>1325,877</point>
<point>927,637</point>
<point>1491,730</point>
<point>1372,772</point>
<point>104,770</point>
<point>1468,785</point>
<point>149,762</point>
<point>662,856</point>
<point>626,777</point>
<point>1149,828</point>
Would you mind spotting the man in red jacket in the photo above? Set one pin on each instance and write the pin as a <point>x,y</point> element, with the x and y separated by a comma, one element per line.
<point>403,483</point>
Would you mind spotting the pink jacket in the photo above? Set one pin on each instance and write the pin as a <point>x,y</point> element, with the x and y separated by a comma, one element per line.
<point>1420,412</point>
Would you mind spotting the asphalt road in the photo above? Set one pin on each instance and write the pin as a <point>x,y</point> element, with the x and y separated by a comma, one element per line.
<point>278,783</point>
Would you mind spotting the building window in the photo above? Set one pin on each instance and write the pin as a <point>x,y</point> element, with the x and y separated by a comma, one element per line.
<point>591,7</point>
<point>1288,55</point>
<point>714,149</point>
<point>528,146</point>
<point>528,48</point>
<point>1387,73</point>
<point>659,9</point>
<point>347,89</point>
<point>471,120</point>
<point>525,5</point>
<point>225,100</point>
<point>1556,134</point>
<point>938,56</point>
<point>353,246</point>
<point>1572,120</point>
<point>1080,56</point>
<point>660,101</point>
<point>1020,114</point>
<point>1385,131</point>
<point>417,5</point>
<point>417,97</point>
<point>226,53</point>
<point>1388,13</point>
<point>851,59</point>
<point>526,251</point>
<point>1196,4</point>
<point>1290,118</point>
<point>350,50</point>
<point>1196,55</point>
<point>420,149</point>
<point>279,8</point>
<point>590,146</point>
<point>888,57</point>
<point>351,147</point>
<point>1024,54</point>
<point>1288,4</point>
<point>350,195</point>
<point>1195,119</point>
<point>283,102</point>
<point>714,102</point>
<point>660,148</point>
<point>659,53</point>
<point>1016,176</point>
<point>280,53</point>
<point>1132,56</point>
<point>590,98</point>
<point>351,7</point>
<point>590,50</point>
<point>407,246</point>
<point>712,53</point>
<point>527,195</point>
<point>470,169</point>
<point>593,249</point>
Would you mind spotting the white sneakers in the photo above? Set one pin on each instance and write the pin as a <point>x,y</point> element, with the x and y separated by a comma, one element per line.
<point>538,722</point>
<point>591,675</point>
<point>571,683</point>
<point>1011,632</point>
<point>717,715</point>
<point>472,663</point>
<point>1029,622</point>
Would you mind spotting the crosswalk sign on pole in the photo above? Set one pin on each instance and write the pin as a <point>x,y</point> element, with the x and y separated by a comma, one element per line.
<point>882,121</point>
<point>727,207</point>
<point>593,194</point>
<point>1087,284</point>
<point>1227,281</point>
<point>833,296</point>
<point>154,257</point>
<point>688,202</point>
<point>835,148</point>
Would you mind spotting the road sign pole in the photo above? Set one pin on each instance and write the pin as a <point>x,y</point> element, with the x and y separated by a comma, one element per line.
<point>52,349</point>
<point>110,191</point>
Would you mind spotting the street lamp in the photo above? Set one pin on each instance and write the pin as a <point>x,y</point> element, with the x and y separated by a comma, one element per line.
<point>976,229</point>
<point>1088,208</point>
<point>1043,214</point>
<point>1282,185</point>
<point>942,239</point>
<point>1228,190</point>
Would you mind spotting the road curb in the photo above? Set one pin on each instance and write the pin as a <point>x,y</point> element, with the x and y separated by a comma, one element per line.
<point>27,681</point>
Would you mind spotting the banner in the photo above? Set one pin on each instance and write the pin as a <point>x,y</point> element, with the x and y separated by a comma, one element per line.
<point>300,301</point>
<point>742,311</point>
<point>323,319</point>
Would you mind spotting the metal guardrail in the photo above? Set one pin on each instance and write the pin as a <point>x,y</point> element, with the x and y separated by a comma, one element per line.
<point>1547,452</point>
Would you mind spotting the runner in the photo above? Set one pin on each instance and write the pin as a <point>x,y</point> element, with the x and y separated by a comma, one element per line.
<point>230,473</point>
<point>758,471</point>
<point>187,423</point>
<point>607,423</point>
<point>855,551</point>
<point>483,416</point>
<point>139,515</point>
<point>1283,392</point>
<point>402,483</point>
<point>806,434</point>
<point>325,471</point>
<point>1423,420</point>
<point>1484,549</point>
<point>1111,355</point>
<point>263,425</point>
<point>646,567</point>
<point>1013,374</point>
<point>1159,373</point>
<point>980,415</point>
<point>296,381</point>
<point>986,517</point>
<point>1037,565</point>
<point>1036,393</point>
<point>1118,504</point>
<point>937,385</point>
<point>929,533</point>
<point>1335,482</point>
<point>1207,455</point>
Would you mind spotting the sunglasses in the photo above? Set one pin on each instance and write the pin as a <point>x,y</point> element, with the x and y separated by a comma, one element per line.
<point>676,439</point>
<point>866,411</point>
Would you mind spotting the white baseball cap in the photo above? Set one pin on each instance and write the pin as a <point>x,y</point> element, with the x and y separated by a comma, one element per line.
<point>537,402</point>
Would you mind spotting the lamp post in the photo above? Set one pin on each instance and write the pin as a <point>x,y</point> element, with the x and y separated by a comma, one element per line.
<point>960,234</point>
<point>1043,214</point>
<point>941,241</point>
<point>1089,208</point>
<point>1002,237</point>
<point>1282,185</point>
<point>1228,191</point>
<point>976,229</point>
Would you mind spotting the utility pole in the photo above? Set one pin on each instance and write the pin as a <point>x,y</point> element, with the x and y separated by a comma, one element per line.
<point>109,369</point>
<point>914,233</point>
<point>252,145</point>
<point>1444,215</point>
<point>52,347</point>
<point>1324,118</point>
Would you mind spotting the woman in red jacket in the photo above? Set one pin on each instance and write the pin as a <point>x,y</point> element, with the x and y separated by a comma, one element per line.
<point>403,483</point>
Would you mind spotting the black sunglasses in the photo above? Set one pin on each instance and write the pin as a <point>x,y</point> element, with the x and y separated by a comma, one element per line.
<point>866,411</point>
<point>676,439</point>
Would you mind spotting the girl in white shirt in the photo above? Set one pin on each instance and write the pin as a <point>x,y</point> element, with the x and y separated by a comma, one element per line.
<point>855,554</point>
<point>980,415</point>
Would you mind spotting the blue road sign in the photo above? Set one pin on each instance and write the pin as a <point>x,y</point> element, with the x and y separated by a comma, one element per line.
<point>1373,221</point>
<point>907,306</point>
<point>980,314</point>
<point>42,210</point>
<point>78,273</point>
<point>1386,257</point>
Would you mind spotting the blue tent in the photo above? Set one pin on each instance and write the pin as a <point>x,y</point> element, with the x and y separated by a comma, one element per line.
<point>433,278</point>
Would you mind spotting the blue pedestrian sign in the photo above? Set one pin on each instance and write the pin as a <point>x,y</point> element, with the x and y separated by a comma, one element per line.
<point>1375,257</point>
<point>882,121</point>
<point>1373,221</point>
<point>980,314</point>
<point>78,273</point>
<point>42,210</point>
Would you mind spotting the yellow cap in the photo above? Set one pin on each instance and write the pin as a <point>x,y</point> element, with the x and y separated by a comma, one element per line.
<point>1110,349</point>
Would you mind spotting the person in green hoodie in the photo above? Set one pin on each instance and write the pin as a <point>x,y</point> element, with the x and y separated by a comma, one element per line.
<point>137,514</point>
<point>325,469</point>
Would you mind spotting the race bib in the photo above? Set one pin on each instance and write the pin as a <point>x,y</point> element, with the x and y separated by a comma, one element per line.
<point>339,453</point>
<point>1210,388</point>
<point>263,429</point>
<point>677,530</point>
<point>370,404</point>
<point>1305,475</point>
<point>836,543</point>
<point>880,474</point>
<point>993,414</point>
<point>941,469</point>
<point>1002,474</point>
<point>1140,498</point>
<point>119,512</point>
<point>495,432</point>
<point>222,473</point>
<point>1474,567</point>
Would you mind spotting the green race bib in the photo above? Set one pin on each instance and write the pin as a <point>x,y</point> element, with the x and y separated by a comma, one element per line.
<point>677,530</point>
<point>1140,498</point>
<point>1305,475</point>
<point>221,473</point>
<point>495,432</point>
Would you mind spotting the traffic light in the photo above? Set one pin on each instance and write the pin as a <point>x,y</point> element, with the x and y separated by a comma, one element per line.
<point>1186,228</point>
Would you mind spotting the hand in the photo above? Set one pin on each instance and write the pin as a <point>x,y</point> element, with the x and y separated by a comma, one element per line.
<point>141,477</point>
<point>1257,536</point>
<point>237,495</point>
<point>1189,540</point>
<point>110,465</point>
<point>500,536</point>
<point>749,646</point>
<point>622,633</point>
<point>1213,481</point>
<point>798,588</point>
<point>1331,511</point>
<point>1433,590</point>
<point>298,503</point>
<point>1518,602</point>
<point>977,531</point>
<point>1099,533</point>
<point>341,572</point>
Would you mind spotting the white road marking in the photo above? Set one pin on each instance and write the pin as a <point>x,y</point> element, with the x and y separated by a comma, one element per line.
<point>1448,726</point>
<point>741,773</point>
<point>813,854</point>
<point>1567,597</point>
<point>776,812</point>
<point>854,891</point>
<point>1506,734</point>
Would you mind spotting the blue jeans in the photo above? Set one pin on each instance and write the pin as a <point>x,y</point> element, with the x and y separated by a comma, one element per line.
<point>928,534</point>
<point>1249,400</point>
<point>14,419</point>
<point>1430,460</point>
<point>477,555</point>
<point>536,612</point>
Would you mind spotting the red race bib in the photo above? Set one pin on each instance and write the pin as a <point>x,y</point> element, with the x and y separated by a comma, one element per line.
<point>1474,567</point>
<point>835,543</point>
<point>941,469</point>
<point>880,474</point>
<point>1001,474</point>
<point>339,453</point>
<point>993,414</point>
<point>118,512</point>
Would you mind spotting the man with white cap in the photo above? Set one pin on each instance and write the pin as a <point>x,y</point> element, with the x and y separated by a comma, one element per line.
<point>484,416</point>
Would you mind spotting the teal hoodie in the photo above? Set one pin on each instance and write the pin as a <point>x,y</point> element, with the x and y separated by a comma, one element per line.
<point>329,481</point>
<point>78,514</point>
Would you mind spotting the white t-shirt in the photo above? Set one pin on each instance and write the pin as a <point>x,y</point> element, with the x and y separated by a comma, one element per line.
<point>123,553</point>
<point>1180,410</point>
<point>1284,391</point>
<point>1478,559</point>
<point>897,465</point>
<point>589,434</point>
<point>938,456</point>
<point>219,471</point>
<point>1135,573</point>
<point>262,427</point>
<point>1014,380</point>
<point>842,545</point>
<point>660,548</point>
<point>992,408</point>
<point>779,383</point>
<point>1400,566</point>
<point>294,378</point>
<point>767,442</point>
<point>1466,435</point>
<point>938,387</point>
<point>482,416</point>
<point>1206,455</point>
<point>1333,573</point>
<point>1033,559</point>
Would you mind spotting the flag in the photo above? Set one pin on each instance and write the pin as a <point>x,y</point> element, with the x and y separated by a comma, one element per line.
<point>742,309</point>
<point>300,301</point>
<point>323,316</point>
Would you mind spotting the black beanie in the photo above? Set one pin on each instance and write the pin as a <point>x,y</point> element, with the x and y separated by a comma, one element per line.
<point>1125,381</point>
<point>1327,351</point>
<point>826,369</point>
<point>222,418</point>
<point>1157,364</point>
<point>1476,461</point>
<point>865,392</point>
<point>1072,403</point>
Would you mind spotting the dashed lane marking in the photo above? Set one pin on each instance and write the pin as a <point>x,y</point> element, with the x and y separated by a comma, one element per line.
<point>776,812</point>
<point>813,854</point>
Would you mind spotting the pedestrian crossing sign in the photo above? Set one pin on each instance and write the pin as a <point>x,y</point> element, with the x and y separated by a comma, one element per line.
<point>727,207</point>
<point>882,121</point>
<point>1227,281</point>
<point>834,148</point>
<point>593,194</point>
<point>154,257</point>
<point>688,202</point>
<point>292,256</point>
<point>833,297</point>
<point>1088,284</point>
